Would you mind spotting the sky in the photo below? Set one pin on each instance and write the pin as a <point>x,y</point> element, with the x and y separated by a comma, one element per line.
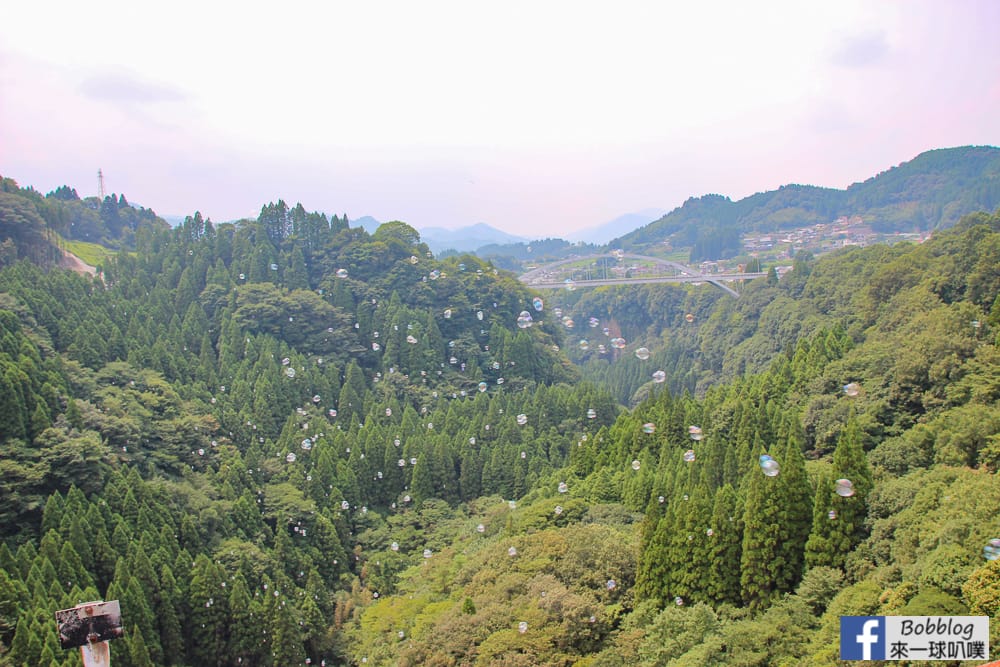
<point>538,118</point>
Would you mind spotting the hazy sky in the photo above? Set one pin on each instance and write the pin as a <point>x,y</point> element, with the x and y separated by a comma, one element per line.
<point>537,117</point>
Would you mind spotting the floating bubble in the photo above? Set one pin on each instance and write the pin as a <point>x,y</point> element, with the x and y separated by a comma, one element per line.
<point>558,510</point>
<point>852,389</point>
<point>568,322</point>
<point>844,488</point>
<point>388,412</point>
<point>593,322</point>
<point>316,398</point>
<point>434,275</point>
<point>769,465</point>
<point>512,504</point>
<point>522,419</point>
<point>709,532</point>
<point>636,464</point>
<point>642,353</point>
<point>679,601</point>
<point>659,377</point>
<point>499,380</point>
<point>649,427</point>
<point>537,303</point>
<point>480,528</point>
<point>591,413</point>
<point>601,349</point>
<point>689,317</point>
<point>411,340</point>
<point>522,627</point>
<point>606,331</point>
<point>341,273</point>
<point>694,432</point>
<point>291,457</point>
<point>243,276</point>
<point>524,320</point>
<point>307,444</point>
<point>290,372</point>
<point>428,553</point>
<point>401,463</point>
<point>394,546</point>
<point>991,551</point>
<point>286,361</point>
<point>832,514</point>
<point>472,440</point>
<point>524,455</point>
<point>481,386</point>
<point>611,585</point>
<point>569,284</point>
<point>479,315</point>
<point>584,345</point>
<point>332,412</point>
<point>413,259</point>
<point>512,551</point>
<point>447,314</point>
<point>661,499</point>
<point>406,498</point>
<point>201,452</point>
<point>689,455</point>
<point>563,487</point>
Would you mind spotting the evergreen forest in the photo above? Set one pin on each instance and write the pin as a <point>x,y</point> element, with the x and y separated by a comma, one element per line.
<point>286,441</point>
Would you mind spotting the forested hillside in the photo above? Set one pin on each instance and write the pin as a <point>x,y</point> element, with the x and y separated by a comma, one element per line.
<point>286,441</point>
<point>932,191</point>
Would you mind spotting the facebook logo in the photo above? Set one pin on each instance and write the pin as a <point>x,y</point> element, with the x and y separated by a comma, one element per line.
<point>862,637</point>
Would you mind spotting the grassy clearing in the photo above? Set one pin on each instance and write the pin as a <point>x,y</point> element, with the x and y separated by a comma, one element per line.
<point>91,253</point>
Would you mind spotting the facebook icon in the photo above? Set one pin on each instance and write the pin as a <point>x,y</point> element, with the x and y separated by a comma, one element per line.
<point>862,638</point>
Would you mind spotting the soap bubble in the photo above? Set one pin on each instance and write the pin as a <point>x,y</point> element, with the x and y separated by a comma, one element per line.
<point>376,347</point>
<point>611,585</point>
<point>286,361</point>
<point>413,259</point>
<point>394,546</point>
<point>679,601</point>
<point>569,284</point>
<point>563,487</point>
<point>481,386</point>
<point>434,275</point>
<point>593,322</point>
<point>479,315</point>
<point>601,349</point>
<point>428,553</point>
<point>584,345</point>
<point>291,457</point>
<point>636,465</point>
<point>480,528</point>
<point>642,353</point>
<point>522,627</point>
<point>243,276</point>
<point>618,343</point>
<point>537,303</point>
<point>522,419</point>
<point>558,510</point>
<point>499,380</point>
<point>512,551</point>
<point>274,267</point>
<point>659,376</point>
<point>689,455</point>
<point>512,504</point>
<point>769,465</point>
<point>341,273</point>
<point>852,389</point>
<point>992,550</point>
<point>591,413</point>
<point>832,514</point>
<point>524,320</point>
<point>709,532</point>
<point>332,412</point>
<point>649,427</point>
<point>316,398</point>
<point>290,372</point>
<point>694,432</point>
<point>844,488</point>
<point>447,314</point>
<point>689,317</point>
<point>307,444</point>
<point>568,322</point>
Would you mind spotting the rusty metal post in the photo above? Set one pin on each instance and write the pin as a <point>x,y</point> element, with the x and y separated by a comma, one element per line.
<point>97,654</point>
<point>90,626</point>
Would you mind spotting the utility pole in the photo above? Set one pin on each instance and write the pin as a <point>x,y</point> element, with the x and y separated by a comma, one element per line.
<point>100,184</point>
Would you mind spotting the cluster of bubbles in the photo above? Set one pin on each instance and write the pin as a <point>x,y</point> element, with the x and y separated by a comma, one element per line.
<point>769,465</point>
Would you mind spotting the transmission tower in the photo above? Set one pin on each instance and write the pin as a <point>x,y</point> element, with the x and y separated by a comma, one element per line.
<point>100,184</point>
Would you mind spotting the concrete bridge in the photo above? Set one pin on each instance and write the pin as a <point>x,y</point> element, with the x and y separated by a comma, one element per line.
<point>548,276</point>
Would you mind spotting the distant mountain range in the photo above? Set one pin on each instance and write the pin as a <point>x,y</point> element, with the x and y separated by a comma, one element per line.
<point>932,191</point>
<point>464,239</point>
<point>621,225</point>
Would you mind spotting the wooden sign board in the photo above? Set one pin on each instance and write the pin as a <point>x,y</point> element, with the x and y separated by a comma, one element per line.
<point>89,623</point>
